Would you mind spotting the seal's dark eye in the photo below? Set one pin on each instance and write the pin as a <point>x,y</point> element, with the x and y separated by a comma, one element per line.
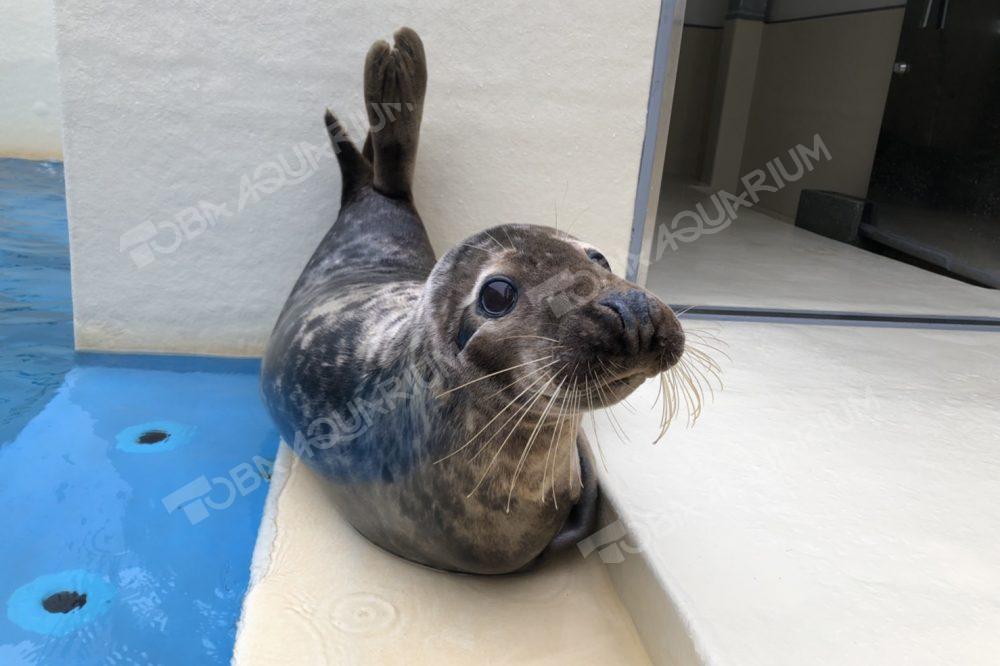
<point>497,297</point>
<point>599,259</point>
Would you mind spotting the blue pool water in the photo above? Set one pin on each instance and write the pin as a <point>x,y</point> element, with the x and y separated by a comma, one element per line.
<point>36,319</point>
<point>132,487</point>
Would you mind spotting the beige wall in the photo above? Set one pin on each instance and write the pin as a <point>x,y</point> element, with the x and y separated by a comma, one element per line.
<point>192,210</point>
<point>30,118</point>
<point>696,71</point>
<point>734,88</point>
<point>829,77</point>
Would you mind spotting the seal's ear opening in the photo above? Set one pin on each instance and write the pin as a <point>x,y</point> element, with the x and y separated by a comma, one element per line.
<point>355,170</point>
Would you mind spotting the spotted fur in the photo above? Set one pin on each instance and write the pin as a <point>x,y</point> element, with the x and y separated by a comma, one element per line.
<point>361,370</point>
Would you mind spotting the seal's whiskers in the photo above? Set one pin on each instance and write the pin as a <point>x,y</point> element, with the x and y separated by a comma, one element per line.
<point>704,360</point>
<point>608,411</point>
<point>507,234</point>
<point>537,337</point>
<point>576,219</point>
<point>521,378</point>
<point>571,418</point>
<point>475,247</point>
<point>531,441</point>
<point>671,403</point>
<point>561,419</point>
<point>492,374</point>
<point>698,374</point>
<point>498,414</point>
<point>502,246</point>
<point>593,423</point>
<point>693,392</point>
<point>572,440</point>
<point>513,429</point>
<point>684,311</point>
<point>522,410</point>
<point>689,379</point>
<point>556,431</point>
<point>608,372</point>
<point>708,339</point>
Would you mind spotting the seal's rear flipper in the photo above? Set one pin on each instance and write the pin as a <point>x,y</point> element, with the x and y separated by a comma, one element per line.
<point>395,82</point>
<point>355,170</point>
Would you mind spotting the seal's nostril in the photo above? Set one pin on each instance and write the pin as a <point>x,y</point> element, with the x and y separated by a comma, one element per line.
<point>618,308</point>
<point>632,308</point>
<point>638,303</point>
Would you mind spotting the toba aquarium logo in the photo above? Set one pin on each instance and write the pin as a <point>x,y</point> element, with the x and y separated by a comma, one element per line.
<point>149,240</point>
<point>144,241</point>
<point>689,225</point>
<point>201,495</point>
<point>610,543</point>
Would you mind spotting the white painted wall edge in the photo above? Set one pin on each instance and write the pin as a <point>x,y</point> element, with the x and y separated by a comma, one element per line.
<point>661,97</point>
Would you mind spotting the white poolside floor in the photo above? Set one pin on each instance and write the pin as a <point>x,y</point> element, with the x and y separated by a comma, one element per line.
<point>837,503</point>
<point>322,594</point>
<point>761,261</point>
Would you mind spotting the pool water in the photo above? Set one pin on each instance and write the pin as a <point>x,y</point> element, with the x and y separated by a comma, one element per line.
<point>36,318</point>
<point>133,486</point>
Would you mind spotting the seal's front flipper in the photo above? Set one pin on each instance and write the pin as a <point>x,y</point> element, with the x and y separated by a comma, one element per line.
<point>395,82</point>
<point>581,521</point>
<point>355,170</point>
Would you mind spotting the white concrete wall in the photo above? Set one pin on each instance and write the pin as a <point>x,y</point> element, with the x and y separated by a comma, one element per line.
<point>187,231</point>
<point>30,116</point>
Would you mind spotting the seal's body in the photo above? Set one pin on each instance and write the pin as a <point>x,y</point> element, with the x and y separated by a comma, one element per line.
<point>442,398</point>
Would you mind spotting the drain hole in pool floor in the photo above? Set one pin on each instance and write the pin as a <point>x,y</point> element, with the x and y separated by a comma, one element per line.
<point>152,437</point>
<point>64,602</point>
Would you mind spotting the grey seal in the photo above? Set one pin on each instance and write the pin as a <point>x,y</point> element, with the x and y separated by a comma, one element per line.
<point>442,398</point>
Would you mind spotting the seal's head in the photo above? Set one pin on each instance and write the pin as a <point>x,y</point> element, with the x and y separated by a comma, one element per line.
<point>531,303</point>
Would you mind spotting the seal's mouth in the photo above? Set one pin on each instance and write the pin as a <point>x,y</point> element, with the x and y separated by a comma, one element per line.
<point>617,343</point>
<point>606,389</point>
<point>629,380</point>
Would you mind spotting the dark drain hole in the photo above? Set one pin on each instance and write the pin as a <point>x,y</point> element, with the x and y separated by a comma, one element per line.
<point>152,437</point>
<point>64,602</point>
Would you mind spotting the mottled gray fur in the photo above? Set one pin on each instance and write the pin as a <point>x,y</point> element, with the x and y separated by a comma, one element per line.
<point>361,371</point>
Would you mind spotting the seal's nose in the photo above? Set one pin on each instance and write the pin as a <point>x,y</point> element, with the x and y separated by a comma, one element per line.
<point>645,326</point>
<point>635,316</point>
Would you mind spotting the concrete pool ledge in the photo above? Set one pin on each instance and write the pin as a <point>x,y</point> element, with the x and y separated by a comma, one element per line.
<point>836,504</point>
<point>321,594</point>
